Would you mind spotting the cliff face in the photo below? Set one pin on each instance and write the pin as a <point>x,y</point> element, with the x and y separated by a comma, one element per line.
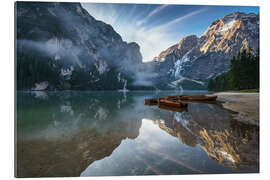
<point>75,50</point>
<point>209,55</point>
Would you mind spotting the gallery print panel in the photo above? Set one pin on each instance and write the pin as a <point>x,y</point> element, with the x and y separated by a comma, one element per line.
<point>107,89</point>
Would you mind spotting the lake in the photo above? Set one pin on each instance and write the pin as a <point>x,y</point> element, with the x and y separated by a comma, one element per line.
<point>113,133</point>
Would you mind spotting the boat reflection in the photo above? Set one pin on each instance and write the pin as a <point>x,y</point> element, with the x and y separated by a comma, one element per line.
<point>175,109</point>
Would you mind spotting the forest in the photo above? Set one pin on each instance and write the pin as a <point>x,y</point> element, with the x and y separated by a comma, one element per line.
<point>243,74</point>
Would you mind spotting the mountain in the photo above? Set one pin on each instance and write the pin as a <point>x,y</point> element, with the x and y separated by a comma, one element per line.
<point>61,46</point>
<point>198,59</point>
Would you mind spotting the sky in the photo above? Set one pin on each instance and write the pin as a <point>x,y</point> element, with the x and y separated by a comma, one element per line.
<point>156,27</point>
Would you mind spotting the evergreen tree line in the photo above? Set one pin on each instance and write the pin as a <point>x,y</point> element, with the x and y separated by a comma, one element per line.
<point>34,67</point>
<point>243,73</point>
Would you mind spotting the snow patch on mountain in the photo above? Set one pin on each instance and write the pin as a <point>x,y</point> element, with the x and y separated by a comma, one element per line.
<point>178,65</point>
<point>227,157</point>
<point>186,58</point>
<point>227,25</point>
<point>101,66</point>
<point>177,68</point>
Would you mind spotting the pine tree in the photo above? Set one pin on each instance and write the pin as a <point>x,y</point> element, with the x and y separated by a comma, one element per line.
<point>243,73</point>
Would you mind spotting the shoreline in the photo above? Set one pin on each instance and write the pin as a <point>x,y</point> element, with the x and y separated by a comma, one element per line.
<point>246,105</point>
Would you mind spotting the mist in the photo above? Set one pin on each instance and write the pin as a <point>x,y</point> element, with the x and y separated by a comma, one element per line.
<point>144,79</point>
<point>54,48</point>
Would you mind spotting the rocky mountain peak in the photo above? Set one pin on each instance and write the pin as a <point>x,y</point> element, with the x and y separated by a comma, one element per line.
<point>231,33</point>
<point>206,57</point>
<point>187,43</point>
<point>179,49</point>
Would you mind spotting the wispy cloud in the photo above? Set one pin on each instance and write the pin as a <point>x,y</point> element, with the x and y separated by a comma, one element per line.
<point>156,39</point>
<point>155,11</point>
<point>178,20</point>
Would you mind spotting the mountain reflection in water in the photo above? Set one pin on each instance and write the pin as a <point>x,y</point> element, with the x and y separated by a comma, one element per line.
<point>111,133</point>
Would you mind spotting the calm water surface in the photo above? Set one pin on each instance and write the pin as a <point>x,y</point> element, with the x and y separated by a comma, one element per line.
<point>114,133</point>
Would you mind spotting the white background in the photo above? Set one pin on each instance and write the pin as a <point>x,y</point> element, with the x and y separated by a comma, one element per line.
<point>7,89</point>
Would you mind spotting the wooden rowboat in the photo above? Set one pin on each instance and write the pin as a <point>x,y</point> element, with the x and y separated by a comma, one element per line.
<point>173,97</point>
<point>180,101</point>
<point>151,101</point>
<point>198,97</point>
<point>166,102</point>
